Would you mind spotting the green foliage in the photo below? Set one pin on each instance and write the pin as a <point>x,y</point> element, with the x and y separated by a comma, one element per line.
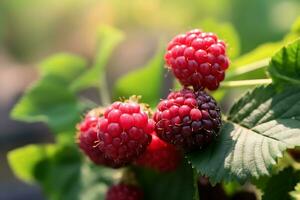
<point>296,27</point>
<point>146,81</point>
<point>63,67</point>
<point>231,187</point>
<point>279,185</point>
<point>260,126</point>
<point>158,186</point>
<point>252,64</point>
<point>261,52</point>
<point>24,160</point>
<point>50,100</point>
<point>61,172</point>
<point>296,193</point>
<point>284,67</point>
<point>295,31</point>
<point>108,39</point>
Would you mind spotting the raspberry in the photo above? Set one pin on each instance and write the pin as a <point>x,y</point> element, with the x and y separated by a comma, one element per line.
<point>87,140</point>
<point>160,156</point>
<point>197,59</point>
<point>124,192</point>
<point>188,119</point>
<point>124,132</point>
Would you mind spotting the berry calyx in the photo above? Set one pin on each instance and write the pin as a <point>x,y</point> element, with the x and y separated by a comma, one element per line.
<point>124,192</point>
<point>197,59</point>
<point>124,132</point>
<point>160,156</point>
<point>194,119</point>
<point>87,140</point>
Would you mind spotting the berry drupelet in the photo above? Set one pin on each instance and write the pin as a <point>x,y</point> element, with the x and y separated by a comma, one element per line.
<point>188,119</point>
<point>160,156</point>
<point>124,192</point>
<point>124,132</point>
<point>87,140</point>
<point>197,59</point>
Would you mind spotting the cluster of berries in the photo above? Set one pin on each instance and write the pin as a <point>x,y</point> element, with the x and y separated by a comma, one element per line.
<point>189,119</point>
<point>122,134</point>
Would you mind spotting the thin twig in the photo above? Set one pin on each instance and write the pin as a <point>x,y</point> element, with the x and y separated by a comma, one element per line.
<point>242,83</point>
<point>104,91</point>
<point>248,68</point>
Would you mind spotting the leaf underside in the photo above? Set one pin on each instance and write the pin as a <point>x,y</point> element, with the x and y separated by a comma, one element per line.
<point>260,126</point>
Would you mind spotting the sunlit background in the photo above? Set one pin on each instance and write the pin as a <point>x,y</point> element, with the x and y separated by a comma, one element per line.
<point>33,29</point>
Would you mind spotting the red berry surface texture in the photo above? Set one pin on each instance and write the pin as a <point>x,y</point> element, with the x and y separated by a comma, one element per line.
<point>160,156</point>
<point>87,140</point>
<point>124,192</point>
<point>197,59</point>
<point>188,119</point>
<point>124,132</point>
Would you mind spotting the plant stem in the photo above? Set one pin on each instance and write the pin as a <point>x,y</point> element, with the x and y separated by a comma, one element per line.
<point>243,83</point>
<point>104,91</point>
<point>87,103</point>
<point>248,68</point>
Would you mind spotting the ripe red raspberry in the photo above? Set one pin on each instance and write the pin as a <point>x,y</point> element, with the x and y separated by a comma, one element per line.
<point>124,132</point>
<point>87,140</point>
<point>197,59</point>
<point>160,156</point>
<point>188,119</point>
<point>124,192</point>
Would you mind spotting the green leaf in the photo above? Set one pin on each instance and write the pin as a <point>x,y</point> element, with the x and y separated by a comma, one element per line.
<point>61,172</point>
<point>76,180</point>
<point>226,32</point>
<point>295,31</point>
<point>50,100</point>
<point>253,64</point>
<point>23,160</point>
<point>231,188</point>
<point>177,185</point>
<point>279,185</point>
<point>260,53</point>
<point>261,125</point>
<point>268,49</point>
<point>219,94</point>
<point>296,27</point>
<point>284,67</point>
<point>65,67</point>
<point>108,39</point>
<point>296,193</point>
<point>146,81</point>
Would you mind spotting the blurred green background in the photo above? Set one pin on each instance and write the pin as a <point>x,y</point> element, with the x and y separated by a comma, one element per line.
<point>33,29</point>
